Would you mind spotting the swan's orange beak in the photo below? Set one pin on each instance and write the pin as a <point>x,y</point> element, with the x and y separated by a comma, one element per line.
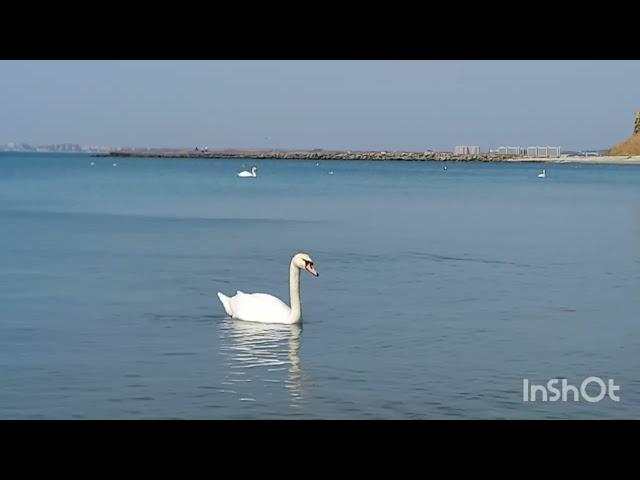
<point>311,269</point>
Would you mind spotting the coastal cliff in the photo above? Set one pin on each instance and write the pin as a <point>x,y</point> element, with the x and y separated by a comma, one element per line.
<point>632,145</point>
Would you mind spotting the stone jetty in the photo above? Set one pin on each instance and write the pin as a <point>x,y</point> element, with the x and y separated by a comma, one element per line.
<point>316,155</point>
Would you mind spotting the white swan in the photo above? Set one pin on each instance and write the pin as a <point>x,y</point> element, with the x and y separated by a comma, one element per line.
<point>265,308</point>
<point>252,173</point>
<point>543,174</point>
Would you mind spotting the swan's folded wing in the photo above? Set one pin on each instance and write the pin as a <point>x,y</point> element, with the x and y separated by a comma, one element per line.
<point>259,307</point>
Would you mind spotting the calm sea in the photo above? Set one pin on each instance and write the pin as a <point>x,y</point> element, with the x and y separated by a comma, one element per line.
<point>439,291</point>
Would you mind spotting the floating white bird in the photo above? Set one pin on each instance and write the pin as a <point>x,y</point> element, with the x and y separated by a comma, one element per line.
<point>445,167</point>
<point>252,173</point>
<point>265,308</point>
<point>317,164</point>
<point>543,174</point>
<point>115,164</point>
<point>92,164</point>
<point>331,172</point>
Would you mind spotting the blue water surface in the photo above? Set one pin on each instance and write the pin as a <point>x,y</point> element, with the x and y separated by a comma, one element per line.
<point>439,291</point>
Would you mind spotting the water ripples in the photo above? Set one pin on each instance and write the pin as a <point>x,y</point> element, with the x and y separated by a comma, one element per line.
<point>261,356</point>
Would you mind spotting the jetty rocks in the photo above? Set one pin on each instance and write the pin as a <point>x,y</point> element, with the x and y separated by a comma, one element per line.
<point>317,155</point>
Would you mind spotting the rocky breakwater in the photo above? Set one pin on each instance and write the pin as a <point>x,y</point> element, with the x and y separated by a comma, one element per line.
<point>317,155</point>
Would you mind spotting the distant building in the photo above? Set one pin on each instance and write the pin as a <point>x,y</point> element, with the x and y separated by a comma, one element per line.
<point>543,152</point>
<point>466,150</point>
<point>510,151</point>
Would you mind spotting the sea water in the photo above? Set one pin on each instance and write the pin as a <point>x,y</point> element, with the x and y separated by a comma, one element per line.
<point>440,291</point>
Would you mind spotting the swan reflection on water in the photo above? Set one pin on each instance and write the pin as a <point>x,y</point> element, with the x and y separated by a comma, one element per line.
<point>258,352</point>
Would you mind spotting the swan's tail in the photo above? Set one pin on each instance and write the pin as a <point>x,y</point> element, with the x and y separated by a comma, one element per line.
<point>225,303</point>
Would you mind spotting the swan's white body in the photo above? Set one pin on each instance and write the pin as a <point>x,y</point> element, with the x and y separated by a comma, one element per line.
<point>252,173</point>
<point>265,308</point>
<point>543,174</point>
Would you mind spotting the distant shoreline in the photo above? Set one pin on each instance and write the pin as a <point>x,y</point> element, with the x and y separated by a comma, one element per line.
<point>604,159</point>
<point>373,156</point>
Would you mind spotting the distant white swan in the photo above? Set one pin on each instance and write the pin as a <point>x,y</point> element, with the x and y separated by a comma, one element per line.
<point>252,173</point>
<point>331,172</point>
<point>445,167</point>
<point>115,164</point>
<point>265,308</point>
<point>543,174</point>
<point>92,164</point>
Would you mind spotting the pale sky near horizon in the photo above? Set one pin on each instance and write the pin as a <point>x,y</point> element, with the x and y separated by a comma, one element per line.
<point>357,105</point>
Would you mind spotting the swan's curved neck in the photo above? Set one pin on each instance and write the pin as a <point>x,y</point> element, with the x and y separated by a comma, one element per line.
<point>294,290</point>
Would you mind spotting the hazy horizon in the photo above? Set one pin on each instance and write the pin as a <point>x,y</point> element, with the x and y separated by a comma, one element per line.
<point>333,105</point>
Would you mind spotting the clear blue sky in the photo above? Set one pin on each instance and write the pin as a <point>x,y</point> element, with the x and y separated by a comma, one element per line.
<point>413,105</point>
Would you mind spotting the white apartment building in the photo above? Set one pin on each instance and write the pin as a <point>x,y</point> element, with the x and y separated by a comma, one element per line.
<point>543,152</point>
<point>466,150</point>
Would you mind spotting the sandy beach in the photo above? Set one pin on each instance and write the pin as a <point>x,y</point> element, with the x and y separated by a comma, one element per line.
<point>621,159</point>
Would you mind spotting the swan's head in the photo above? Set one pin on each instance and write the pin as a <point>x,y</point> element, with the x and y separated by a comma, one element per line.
<point>253,169</point>
<point>304,262</point>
